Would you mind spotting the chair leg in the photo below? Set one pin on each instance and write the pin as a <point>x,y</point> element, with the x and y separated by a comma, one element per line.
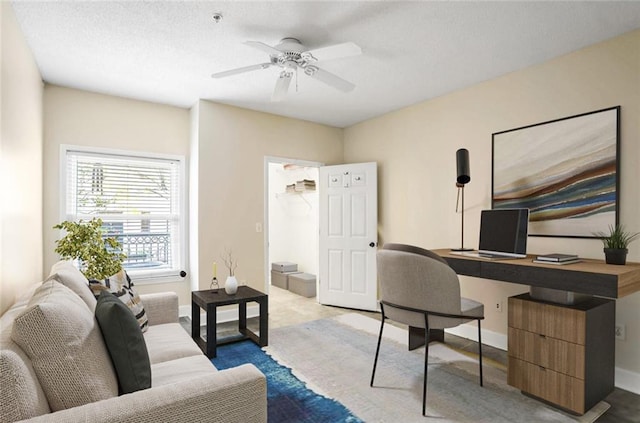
<point>480,350</point>
<point>375,361</point>
<point>426,365</point>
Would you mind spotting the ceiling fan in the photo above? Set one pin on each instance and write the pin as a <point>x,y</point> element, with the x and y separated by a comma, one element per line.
<point>290,55</point>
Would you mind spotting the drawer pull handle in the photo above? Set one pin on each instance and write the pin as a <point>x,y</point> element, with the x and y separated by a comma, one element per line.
<point>542,368</point>
<point>542,336</point>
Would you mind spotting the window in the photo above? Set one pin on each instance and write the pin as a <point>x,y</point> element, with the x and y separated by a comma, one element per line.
<point>139,199</point>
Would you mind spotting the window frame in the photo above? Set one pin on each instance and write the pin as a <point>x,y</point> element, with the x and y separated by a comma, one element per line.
<point>144,276</point>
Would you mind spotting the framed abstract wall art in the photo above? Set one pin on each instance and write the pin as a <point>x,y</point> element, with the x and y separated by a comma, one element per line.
<point>565,171</point>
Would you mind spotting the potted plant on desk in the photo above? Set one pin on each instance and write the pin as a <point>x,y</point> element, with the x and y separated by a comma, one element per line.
<point>616,243</point>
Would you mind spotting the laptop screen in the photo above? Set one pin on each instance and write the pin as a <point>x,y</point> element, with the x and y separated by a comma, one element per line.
<point>504,231</point>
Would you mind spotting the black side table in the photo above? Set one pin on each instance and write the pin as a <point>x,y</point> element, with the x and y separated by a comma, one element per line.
<point>211,299</point>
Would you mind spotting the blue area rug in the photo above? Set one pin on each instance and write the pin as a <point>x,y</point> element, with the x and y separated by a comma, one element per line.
<point>288,399</point>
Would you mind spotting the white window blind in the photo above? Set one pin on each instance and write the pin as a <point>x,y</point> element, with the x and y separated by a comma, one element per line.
<point>139,201</point>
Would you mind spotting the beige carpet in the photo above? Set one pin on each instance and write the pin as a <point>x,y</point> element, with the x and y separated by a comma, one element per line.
<point>334,357</point>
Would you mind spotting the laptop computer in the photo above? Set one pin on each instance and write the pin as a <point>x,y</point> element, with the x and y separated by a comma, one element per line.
<point>503,234</point>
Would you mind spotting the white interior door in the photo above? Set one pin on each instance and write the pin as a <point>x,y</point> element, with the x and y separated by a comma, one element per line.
<point>348,235</point>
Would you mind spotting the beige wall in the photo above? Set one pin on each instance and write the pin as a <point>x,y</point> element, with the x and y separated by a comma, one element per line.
<point>415,148</point>
<point>20,163</point>
<point>87,119</point>
<point>232,146</point>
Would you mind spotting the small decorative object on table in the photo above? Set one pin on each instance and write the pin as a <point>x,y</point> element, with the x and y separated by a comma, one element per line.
<point>214,283</point>
<point>615,243</point>
<point>231,284</point>
<point>214,280</point>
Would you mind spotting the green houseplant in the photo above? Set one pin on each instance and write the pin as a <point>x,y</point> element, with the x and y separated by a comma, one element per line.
<point>99,257</point>
<point>615,243</point>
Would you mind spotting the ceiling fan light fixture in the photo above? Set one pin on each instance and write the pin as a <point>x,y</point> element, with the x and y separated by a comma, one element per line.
<point>288,57</point>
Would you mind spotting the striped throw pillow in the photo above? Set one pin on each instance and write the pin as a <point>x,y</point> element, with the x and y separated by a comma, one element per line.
<point>121,286</point>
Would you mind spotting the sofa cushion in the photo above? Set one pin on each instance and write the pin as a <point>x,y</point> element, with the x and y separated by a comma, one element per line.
<point>125,343</point>
<point>121,286</point>
<point>185,368</point>
<point>169,341</point>
<point>21,394</point>
<point>68,275</point>
<point>62,338</point>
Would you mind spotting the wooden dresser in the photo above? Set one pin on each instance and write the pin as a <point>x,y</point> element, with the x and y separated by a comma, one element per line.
<point>562,354</point>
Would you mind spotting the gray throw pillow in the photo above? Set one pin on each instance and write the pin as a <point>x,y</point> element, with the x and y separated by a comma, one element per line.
<point>125,343</point>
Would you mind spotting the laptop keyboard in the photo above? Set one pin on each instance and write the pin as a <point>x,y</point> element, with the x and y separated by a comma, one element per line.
<point>486,256</point>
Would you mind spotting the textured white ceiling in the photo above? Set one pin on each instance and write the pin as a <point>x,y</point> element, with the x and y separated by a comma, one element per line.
<point>165,51</point>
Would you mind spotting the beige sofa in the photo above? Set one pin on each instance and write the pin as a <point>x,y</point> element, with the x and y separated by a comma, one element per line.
<point>36,386</point>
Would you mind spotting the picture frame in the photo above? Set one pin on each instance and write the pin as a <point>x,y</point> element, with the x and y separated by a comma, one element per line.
<point>565,171</point>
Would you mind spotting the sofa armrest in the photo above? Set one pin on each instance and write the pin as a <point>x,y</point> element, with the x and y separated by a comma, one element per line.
<point>236,395</point>
<point>161,307</point>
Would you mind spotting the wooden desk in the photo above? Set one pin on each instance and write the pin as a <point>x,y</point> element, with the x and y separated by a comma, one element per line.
<point>592,277</point>
<point>542,347</point>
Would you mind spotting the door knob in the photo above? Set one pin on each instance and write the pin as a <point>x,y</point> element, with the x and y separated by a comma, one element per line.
<point>372,244</point>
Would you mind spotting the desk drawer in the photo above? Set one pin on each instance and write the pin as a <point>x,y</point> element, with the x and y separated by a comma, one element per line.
<point>560,322</point>
<point>526,315</point>
<point>561,356</point>
<point>560,389</point>
<point>565,323</point>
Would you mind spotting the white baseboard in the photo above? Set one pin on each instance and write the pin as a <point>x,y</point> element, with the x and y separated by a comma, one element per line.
<point>184,311</point>
<point>624,379</point>
<point>627,380</point>
<point>223,315</point>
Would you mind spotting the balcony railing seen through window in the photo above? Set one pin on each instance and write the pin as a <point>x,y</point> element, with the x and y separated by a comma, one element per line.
<point>143,249</point>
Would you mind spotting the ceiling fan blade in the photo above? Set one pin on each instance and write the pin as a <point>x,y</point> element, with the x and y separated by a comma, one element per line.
<point>282,86</point>
<point>264,47</point>
<point>330,79</point>
<point>335,51</point>
<point>241,70</point>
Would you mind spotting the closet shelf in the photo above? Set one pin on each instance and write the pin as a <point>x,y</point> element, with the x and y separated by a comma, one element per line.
<point>294,193</point>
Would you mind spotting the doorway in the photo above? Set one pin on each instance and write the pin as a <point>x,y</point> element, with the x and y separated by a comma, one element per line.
<point>291,215</point>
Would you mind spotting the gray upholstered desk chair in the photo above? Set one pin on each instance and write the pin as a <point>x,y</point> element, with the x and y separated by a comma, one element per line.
<point>419,289</point>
